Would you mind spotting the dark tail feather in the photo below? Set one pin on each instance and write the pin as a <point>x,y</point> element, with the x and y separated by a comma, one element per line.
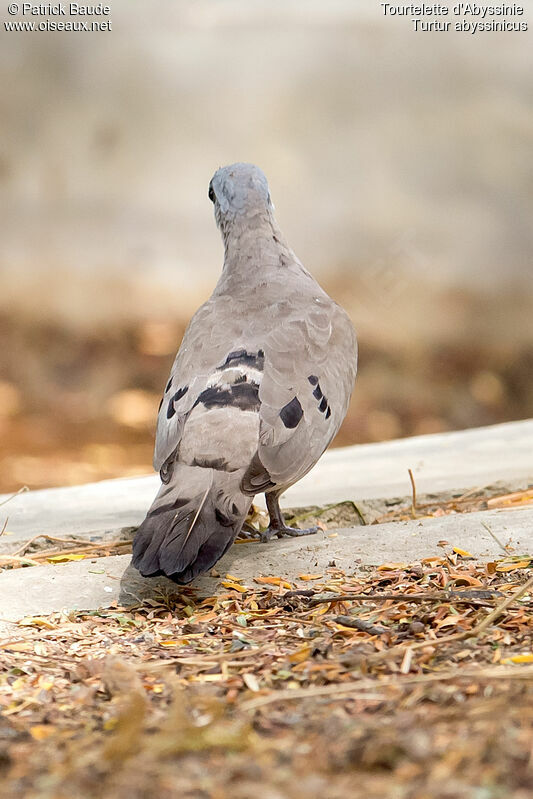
<point>183,538</point>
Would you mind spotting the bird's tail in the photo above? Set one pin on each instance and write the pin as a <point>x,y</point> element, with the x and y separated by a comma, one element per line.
<point>192,522</point>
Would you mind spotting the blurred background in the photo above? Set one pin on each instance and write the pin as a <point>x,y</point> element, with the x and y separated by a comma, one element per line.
<point>401,171</point>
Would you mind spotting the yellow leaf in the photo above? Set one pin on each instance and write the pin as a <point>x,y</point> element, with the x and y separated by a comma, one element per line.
<point>65,558</point>
<point>386,567</point>
<point>170,643</point>
<point>234,586</point>
<point>506,566</point>
<point>272,581</point>
<point>462,552</point>
<point>37,621</point>
<point>310,576</point>
<point>519,659</point>
<point>300,655</point>
<point>233,579</point>
<point>41,731</point>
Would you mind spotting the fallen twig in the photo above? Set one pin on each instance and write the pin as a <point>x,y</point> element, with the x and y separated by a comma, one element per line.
<point>363,685</point>
<point>503,548</point>
<point>6,560</point>
<point>360,624</point>
<point>320,511</point>
<point>24,546</point>
<point>211,659</point>
<point>473,596</point>
<point>83,547</point>
<point>20,491</point>
<point>517,497</point>
<point>463,635</point>
<point>413,500</point>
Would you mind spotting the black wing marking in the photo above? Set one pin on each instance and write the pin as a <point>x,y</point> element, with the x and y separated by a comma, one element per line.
<point>291,413</point>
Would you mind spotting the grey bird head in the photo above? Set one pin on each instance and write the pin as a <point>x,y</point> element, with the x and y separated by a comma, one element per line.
<point>239,191</point>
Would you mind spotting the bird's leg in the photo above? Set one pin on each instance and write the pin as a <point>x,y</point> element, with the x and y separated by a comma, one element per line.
<point>277,526</point>
<point>248,533</point>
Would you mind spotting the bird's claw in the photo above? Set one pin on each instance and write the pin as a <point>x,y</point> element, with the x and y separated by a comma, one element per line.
<point>248,533</point>
<point>282,532</point>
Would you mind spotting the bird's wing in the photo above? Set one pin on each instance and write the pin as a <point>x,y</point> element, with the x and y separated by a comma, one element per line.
<point>309,372</point>
<point>192,365</point>
<point>212,357</point>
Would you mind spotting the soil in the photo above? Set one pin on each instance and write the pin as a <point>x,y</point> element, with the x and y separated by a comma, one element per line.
<point>417,686</point>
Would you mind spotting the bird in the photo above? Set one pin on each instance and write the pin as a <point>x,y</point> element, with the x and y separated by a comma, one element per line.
<point>258,389</point>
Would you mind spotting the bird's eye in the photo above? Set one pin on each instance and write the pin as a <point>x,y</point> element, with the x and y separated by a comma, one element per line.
<point>211,194</point>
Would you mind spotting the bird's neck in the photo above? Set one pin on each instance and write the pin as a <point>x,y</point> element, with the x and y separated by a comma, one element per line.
<point>251,244</point>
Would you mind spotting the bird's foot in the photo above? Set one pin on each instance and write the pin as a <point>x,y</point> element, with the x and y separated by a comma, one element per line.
<point>275,531</point>
<point>249,533</point>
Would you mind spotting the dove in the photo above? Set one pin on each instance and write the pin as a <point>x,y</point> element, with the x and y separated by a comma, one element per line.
<point>259,388</point>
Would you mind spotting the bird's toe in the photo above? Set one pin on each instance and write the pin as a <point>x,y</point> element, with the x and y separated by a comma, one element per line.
<point>282,532</point>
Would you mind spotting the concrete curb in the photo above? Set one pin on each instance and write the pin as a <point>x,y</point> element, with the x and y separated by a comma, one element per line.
<point>97,583</point>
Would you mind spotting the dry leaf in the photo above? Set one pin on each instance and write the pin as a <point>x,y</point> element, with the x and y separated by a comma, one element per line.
<point>519,659</point>
<point>234,586</point>
<point>37,621</point>
<point>507,566</point>
<point>385,567</point>
<point>272,581</point>
<point>65,558</point>
<point>39,732</point>
<point>406,661</point>
<point>460,578</point>
<point>462,552</point>
<point>517,498</point>
<point>300,655</point>
<point>448,621</point>
<point>250,680</point>
<point>17,646</point>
